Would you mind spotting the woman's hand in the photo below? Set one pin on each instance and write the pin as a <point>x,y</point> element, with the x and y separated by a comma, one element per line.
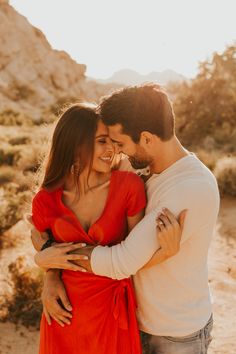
<point>169,232</point>
<point>57,256</point>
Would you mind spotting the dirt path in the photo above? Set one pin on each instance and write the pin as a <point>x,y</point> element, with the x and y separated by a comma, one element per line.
<point>222,276</point>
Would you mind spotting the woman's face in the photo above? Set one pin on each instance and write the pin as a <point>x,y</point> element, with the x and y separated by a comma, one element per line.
<point>103,150</point>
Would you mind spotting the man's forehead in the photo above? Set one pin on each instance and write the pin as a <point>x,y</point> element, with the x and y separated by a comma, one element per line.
<point>115,129</point>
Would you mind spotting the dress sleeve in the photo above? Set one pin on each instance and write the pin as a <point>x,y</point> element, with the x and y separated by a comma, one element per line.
<point>136,196</point>
<point>38,212</point>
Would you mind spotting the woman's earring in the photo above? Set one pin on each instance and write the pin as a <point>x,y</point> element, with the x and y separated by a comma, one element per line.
<point>72,169</point>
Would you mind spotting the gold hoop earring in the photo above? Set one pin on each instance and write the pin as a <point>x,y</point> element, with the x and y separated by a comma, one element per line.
<point>74,170</point>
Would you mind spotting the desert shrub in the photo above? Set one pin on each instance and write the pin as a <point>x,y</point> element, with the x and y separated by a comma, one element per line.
<point>225,172</point>
<point>13,205</point>
<point>29,157</point>
<point>24,304</point>
<point>209,158</point>
<point>9,154</point>
<point>10,117</point>
<point>7,174</point>
<point>19,140</point>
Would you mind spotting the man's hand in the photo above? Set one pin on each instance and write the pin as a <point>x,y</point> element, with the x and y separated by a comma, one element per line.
<point>54,293</point>
<point>86,251</point>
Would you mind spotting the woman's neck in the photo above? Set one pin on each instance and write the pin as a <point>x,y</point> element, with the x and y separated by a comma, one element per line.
<point>95,180</point>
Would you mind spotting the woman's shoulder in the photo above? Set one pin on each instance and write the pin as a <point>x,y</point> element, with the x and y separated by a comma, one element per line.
<point>128,178</point>
<point>44,194</point>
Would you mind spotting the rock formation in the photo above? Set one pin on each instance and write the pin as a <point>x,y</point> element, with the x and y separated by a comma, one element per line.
<point>33,76</point>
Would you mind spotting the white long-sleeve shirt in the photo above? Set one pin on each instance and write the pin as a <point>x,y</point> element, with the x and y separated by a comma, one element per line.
<point>173,297</point>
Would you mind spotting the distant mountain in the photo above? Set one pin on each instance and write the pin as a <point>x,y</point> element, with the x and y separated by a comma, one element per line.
<point>131,77</point>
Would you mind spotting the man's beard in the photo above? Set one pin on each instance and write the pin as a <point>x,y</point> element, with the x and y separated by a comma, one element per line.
<point>139,163</point>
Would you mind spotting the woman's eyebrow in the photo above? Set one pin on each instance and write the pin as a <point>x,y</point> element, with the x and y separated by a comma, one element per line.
<point>102,136</point>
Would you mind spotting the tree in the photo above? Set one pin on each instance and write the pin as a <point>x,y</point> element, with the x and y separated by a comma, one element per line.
<point>207,105</point>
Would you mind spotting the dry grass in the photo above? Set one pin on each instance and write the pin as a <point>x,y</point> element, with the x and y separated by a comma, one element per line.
<point>225,172</point>
<point>24,304</point>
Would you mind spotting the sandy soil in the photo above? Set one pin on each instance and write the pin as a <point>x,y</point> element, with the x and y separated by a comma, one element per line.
<point>222,277</point>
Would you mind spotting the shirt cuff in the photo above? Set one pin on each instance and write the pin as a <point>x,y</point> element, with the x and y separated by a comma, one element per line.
<point>100,261</point>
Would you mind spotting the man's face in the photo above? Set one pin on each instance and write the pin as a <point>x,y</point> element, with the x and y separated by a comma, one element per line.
<point>124,144</point>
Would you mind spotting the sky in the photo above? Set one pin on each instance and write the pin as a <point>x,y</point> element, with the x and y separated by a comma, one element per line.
<point>145,36</point>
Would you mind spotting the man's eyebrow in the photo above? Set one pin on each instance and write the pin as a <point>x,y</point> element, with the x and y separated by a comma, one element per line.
<point>115,141</point>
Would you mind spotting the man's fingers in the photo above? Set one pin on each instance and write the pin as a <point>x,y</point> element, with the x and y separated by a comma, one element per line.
<point>65,301</point>
<point>58,321</point>
<point>63,319</point>
<point>181,218</point>
<point>47,316</point>
<point>57,309</point>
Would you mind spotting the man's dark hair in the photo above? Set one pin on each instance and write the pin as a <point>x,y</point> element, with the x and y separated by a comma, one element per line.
<point>139,108</point>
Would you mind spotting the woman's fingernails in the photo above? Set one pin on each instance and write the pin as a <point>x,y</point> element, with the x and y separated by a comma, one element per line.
<point>83,270</point>
<point>85,257</point>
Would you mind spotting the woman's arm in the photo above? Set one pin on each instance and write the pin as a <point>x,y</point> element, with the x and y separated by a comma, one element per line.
<point>38,238</point>
<point>134,220</point>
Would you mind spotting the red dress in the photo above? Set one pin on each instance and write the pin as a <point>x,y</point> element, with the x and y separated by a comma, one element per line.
<point>104,319</point>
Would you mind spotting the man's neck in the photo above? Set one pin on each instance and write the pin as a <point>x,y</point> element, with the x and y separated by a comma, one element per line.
<point>170,152</point>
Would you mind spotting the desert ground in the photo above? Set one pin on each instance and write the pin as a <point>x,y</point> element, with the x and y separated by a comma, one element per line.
<point>17,339</point>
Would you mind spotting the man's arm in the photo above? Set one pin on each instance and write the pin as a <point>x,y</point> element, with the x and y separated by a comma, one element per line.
<point>125,259</point>
<point>122,260</point>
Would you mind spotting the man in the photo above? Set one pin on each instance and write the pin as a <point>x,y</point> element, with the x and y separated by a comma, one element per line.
<point>174,307</point>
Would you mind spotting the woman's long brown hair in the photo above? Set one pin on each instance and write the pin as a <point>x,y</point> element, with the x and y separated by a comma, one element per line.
<point>73,140</point>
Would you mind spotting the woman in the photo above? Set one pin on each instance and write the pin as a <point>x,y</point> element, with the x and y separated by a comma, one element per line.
<point>83,199</point>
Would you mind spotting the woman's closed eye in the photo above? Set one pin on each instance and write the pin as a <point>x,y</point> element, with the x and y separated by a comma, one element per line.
<point>102,141</point>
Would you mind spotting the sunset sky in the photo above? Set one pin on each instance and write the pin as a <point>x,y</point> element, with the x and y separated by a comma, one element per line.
<point>150,35</point>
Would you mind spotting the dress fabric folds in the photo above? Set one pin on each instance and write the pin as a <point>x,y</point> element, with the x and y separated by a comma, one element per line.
<point>103,309</point>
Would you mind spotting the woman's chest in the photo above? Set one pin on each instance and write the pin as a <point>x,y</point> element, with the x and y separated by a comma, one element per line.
<point>89,208</point>
<point>99,218</point>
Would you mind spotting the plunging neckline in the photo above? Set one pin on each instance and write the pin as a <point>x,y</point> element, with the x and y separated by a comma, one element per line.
<point>67,209</point>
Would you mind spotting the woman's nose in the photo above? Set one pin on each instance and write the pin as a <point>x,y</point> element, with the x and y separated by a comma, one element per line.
<point>116,149</point>
<point>110,147</point>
